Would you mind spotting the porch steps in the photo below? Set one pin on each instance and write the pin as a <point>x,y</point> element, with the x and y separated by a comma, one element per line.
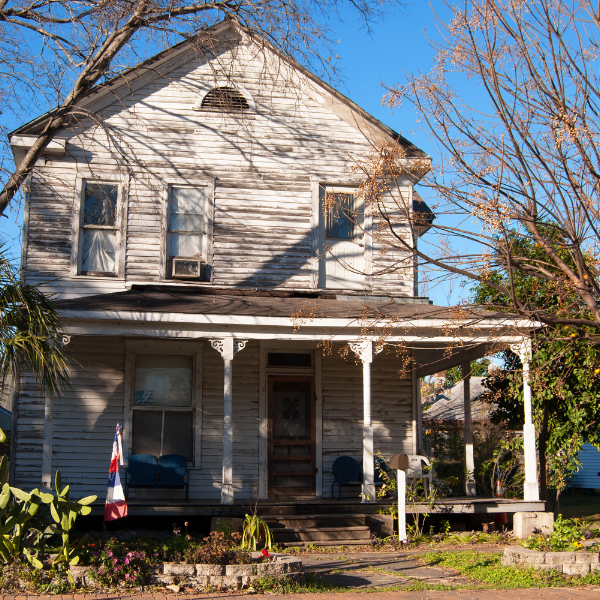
<point>319,529</point>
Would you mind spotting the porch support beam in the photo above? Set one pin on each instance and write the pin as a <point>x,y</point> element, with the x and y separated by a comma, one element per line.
<point>531,489</point>
<point>364,351</point>
<point>468,432</point>
<point>228,348</point>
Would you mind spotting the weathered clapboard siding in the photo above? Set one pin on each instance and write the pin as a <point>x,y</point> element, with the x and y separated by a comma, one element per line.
<point>207,482</point>
<point>29,434</point>
<point>262,165</point>
<point>343,410</point>
<point>86,415</point>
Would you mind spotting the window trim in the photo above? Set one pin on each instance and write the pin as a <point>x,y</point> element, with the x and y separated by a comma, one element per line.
<point>104,177</point>
<point>193,349</point>
<point>207,243</point>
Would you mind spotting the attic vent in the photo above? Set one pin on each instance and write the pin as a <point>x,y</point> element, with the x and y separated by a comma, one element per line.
<point>225,99</point>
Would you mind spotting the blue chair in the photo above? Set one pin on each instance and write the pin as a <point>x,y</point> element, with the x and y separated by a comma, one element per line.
<point>346,471</point>
<point>141,471</point>
<point>172,472</point>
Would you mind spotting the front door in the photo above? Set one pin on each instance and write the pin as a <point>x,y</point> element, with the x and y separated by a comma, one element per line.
<point>292,465</point>
<point>342,263</point>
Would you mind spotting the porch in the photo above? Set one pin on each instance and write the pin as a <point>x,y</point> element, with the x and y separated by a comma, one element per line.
<point>457,505</point>
<point>265,410</point>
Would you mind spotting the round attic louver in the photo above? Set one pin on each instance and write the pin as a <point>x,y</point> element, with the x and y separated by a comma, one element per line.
<point>225,99</point>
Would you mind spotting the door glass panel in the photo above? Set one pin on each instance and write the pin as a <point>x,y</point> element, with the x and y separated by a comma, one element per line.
<point>291,410</point>
<point>340,216</point>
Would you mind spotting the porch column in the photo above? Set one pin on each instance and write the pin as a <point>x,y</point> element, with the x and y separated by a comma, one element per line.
<point>468,434</point>
<point>47,444</point>
<point>364,351</point>
<point>531,489</point>
<point>228,348</point>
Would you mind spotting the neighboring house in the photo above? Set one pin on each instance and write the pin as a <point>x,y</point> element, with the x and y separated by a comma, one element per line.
<point>587,476</point>
<point>448,406</point>
<point>182,220</point>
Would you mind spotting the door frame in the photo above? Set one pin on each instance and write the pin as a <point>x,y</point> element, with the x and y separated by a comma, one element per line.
<point>267,346</point>
<point>313,419</point>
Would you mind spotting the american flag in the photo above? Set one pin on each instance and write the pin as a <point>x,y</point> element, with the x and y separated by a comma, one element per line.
<point>115,507</point>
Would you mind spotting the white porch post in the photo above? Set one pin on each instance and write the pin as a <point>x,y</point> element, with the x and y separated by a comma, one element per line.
<point>227,347</point>
<point>47,445</point>
<point>364,351</point>
<point>531,488</point>
<point>468,434</point>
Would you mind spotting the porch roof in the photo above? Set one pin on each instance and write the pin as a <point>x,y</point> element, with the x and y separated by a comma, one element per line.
<point>257,303</point>
<point>438,338</point>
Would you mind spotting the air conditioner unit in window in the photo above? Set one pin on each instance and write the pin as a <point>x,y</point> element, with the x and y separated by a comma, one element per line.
<point>188,268</point>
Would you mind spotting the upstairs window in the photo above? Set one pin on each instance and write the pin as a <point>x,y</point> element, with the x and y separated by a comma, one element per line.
<point>225,99</point>
<point>98,229</point>
<point>186,222</point>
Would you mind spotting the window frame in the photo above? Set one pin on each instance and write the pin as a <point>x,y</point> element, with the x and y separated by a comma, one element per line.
<point>82,179</point>
<point>193,349</point>
<point>207,242</point>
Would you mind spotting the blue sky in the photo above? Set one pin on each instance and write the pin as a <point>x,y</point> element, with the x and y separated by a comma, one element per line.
<point>394,48</point>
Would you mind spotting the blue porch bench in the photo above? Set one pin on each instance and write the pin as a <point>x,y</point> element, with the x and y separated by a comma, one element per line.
<point>148,471</point>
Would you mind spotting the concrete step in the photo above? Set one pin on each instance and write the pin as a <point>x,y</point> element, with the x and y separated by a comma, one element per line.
<point>332,508</point>
<point>292,522</point>
<point>301,544</point>
<point>313,534</point>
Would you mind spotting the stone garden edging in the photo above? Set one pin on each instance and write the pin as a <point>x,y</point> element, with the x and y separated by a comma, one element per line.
<point>234,577</point>
<point>569,563</point>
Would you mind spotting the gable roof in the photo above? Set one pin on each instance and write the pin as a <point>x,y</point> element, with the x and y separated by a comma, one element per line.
<point>135,77</point>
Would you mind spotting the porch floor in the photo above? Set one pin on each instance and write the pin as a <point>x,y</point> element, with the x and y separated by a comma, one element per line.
<point>307,506</point>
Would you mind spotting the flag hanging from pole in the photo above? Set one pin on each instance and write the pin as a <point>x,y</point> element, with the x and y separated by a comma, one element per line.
<point>115,507</point>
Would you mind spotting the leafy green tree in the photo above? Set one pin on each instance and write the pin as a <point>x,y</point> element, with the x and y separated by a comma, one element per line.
<point>30,332</point>
<point>565,372</point>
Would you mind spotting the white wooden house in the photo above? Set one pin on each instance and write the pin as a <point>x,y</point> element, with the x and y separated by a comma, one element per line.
<point>179,220</point>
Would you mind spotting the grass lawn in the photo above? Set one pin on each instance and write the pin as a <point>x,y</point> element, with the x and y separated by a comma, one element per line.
<point>575,504</point>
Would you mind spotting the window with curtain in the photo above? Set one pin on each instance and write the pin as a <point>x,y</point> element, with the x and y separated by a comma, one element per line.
<point>187,221</point>
<point>163,413</point>
<point>98,238</point>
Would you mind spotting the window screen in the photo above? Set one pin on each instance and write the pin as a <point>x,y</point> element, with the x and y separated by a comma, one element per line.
<point>186,221</point>
<point>341,216</point>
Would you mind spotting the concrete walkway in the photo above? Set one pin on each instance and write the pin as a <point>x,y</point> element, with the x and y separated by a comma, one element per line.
<point>374,570</point>
<point>530,594</point>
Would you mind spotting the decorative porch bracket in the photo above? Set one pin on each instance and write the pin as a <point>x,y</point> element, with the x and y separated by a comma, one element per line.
<point>470,489</point>
<point>227,348</point>
<point>364,351</point>
<point>531,488</point>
